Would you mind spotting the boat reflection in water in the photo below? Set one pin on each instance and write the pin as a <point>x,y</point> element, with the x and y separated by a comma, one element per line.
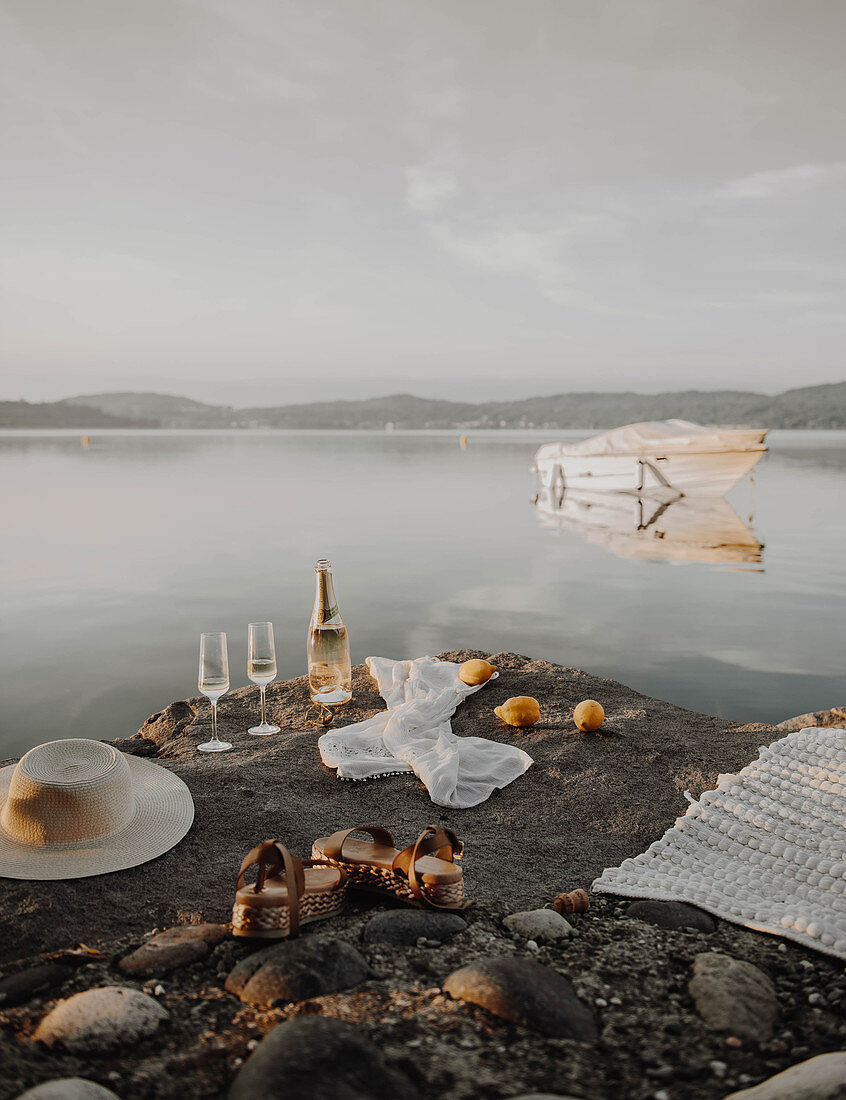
<point>681,529</point>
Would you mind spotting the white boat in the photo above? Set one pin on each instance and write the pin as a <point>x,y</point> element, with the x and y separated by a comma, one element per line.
<point>668,457</point>
<point>699,529</point>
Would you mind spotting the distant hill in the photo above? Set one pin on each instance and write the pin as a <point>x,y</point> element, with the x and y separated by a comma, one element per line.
<point>57,414</point>
<point>160,408</point>
<point>809,407</point>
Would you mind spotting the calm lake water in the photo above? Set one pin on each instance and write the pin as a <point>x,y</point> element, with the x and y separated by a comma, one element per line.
<point>116,557</point>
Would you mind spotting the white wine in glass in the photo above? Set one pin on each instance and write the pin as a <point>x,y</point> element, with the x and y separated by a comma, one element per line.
<point>213,682</point>
<point>261,669</point>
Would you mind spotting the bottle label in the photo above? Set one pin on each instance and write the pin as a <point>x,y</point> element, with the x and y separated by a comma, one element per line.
<point>325,614</point>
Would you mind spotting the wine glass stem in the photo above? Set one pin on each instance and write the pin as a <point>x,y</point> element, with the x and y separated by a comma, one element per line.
<point>214,720</point>
<point>262,688</point>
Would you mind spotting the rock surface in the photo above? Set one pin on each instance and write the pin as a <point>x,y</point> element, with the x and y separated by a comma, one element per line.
<point>820,1078</point>
<point>829,719</point>
<point>540,925</point>
<point>633,973</point>
<point>672,914</point>
<point>315,1059</point>
<point>733,995</point>
<point>590,800</point>
<point>101,1019</point>
<point>526,993</point>
<point>173,948</point>
<point>20,988</point>
<point>296,970</point>
<point>69,1088</point>
<point>407,926</point>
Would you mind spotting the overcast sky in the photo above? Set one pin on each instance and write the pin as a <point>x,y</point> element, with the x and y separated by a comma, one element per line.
<point>257,201</point>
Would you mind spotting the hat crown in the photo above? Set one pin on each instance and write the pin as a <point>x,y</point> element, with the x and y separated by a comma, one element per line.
<point>67,791</point>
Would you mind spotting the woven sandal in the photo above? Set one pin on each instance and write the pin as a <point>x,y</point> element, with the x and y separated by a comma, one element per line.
<point>288,892</point>
<point>423,874</point>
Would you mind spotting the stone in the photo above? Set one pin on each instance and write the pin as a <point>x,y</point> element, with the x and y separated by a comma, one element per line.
<point>820,1078</point>
<point>69,1088</point>
<point>297,970</point>
<point>176,947</point>
<point>405,926</point>
<point>836,717</point>
<point>317,1058</point>
<point>733,995</point>
<point>540,925</point>
<point>22,987</point>
<point>526,993</point>
<point>101,1020</point>
<point>672,914</point>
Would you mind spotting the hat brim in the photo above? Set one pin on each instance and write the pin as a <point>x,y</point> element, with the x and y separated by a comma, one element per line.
<point>164,812</point>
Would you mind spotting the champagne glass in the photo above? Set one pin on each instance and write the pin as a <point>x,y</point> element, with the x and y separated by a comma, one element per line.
<point>214,682</point>
<point>261,668</point>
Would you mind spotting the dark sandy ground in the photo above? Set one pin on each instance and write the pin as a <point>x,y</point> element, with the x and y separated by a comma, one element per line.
<point>589,801</point>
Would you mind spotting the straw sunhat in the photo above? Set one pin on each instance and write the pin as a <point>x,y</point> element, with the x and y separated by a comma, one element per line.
<point>74,808</point>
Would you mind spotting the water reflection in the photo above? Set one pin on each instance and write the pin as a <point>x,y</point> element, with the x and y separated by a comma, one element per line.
<point>688,529</point>
<point>116,556</point>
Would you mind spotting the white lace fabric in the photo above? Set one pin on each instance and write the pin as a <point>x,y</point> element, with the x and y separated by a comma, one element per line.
<point>766,849</point>
<point>415,735</point>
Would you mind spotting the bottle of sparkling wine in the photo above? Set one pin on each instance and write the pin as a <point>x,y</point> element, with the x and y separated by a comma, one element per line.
<point>329,671</point>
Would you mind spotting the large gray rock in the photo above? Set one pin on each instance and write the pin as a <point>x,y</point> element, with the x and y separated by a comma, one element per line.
<point>672,914</point>
<point>540,925</point>
<point>820,1078</point>
<point>176,947</point>
<point>101,1019</point>
<point>312,1058</point>
<point>617,803</point>
<point>733,995</point>
<point>69,1088</point>
<point>407,926</point>
<point>296,970</point>
<point>526,993</point>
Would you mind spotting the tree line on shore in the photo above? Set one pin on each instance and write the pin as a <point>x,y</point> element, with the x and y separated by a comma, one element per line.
<point>809,407</point>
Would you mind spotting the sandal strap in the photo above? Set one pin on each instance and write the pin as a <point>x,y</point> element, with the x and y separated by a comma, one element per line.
<point>434,839</point>
<point>333,849</point>
<point>273,856</point>
<point>327,863</point>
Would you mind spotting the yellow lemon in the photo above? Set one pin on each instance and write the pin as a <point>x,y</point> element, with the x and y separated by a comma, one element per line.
<point>476,672</point>
<point>522,710</point>
<point>589,715</point>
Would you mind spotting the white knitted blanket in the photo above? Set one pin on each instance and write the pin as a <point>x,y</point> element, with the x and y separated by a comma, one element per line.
<point>766,849</point>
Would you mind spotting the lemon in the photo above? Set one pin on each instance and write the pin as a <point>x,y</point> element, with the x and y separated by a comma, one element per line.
<point>589,715</point>
<point>522,710</point>
<point>476,672</point>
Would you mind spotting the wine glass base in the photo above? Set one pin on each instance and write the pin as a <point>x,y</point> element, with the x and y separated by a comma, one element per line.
<point>264,730</point>
<point>214,746</point>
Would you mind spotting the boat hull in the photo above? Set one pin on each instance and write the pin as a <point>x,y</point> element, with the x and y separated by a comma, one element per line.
<point>698,474</point>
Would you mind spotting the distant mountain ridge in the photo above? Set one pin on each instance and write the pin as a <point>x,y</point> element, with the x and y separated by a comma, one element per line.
<point>808,407</point>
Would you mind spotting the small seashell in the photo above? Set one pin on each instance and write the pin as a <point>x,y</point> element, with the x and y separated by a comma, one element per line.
<point>576,901</point>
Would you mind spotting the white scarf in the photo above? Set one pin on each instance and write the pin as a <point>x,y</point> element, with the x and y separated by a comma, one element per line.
<point>414,735</point>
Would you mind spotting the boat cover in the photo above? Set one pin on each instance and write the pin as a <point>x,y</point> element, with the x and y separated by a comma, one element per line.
<point>660,437</point>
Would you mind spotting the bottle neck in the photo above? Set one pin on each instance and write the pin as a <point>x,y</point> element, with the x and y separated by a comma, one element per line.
<point>325,604</point>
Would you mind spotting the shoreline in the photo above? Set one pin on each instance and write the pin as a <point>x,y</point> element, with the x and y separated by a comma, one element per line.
<point>589,801</point>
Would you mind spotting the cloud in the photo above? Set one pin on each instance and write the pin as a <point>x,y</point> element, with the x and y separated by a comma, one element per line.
<point>506,247</point>
<point>268,85</point>
<point>429,188</point>
<point>782,183</point>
